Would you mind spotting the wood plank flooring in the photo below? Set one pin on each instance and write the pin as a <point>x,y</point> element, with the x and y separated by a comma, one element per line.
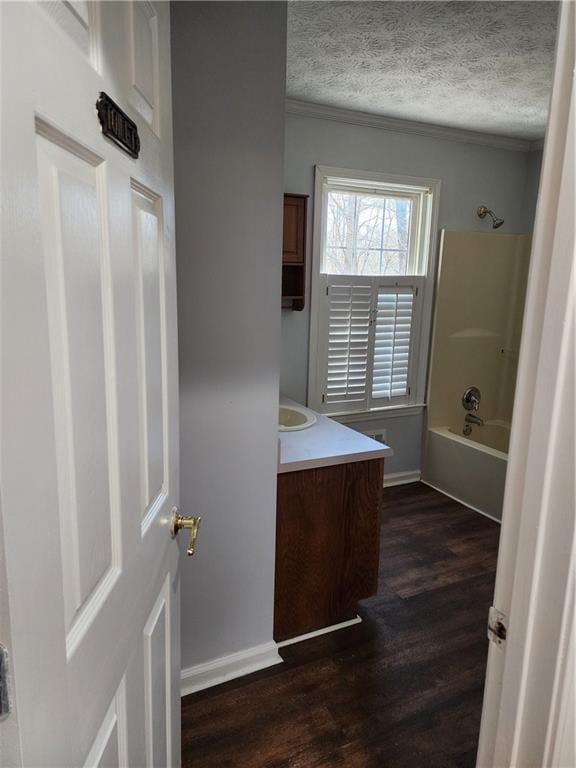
<point>401,690</point>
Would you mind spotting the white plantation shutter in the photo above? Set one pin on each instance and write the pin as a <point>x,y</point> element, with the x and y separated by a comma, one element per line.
<point>392,342</point>
<point>371,291</point>
<point>368,341</point>
<point>348,344</point>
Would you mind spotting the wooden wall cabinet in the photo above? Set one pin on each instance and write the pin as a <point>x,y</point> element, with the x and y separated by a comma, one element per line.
<point>294,252</point>
<point>327,545</point>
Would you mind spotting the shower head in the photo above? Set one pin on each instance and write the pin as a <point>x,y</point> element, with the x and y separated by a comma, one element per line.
<point>496,222</point>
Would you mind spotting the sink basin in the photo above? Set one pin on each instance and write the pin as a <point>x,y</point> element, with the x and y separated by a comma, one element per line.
<point>294,417</point>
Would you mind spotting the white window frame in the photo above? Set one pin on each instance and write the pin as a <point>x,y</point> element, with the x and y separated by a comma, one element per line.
<point>425,194</point>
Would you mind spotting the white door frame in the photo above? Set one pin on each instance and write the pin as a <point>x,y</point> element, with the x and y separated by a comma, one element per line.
<point>528,680</point>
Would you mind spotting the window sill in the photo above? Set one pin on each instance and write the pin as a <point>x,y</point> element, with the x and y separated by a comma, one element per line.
<point>378,413</point>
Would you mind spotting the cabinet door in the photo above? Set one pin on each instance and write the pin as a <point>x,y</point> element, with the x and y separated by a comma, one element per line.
<point>327,545</point>
<point>294,229</point>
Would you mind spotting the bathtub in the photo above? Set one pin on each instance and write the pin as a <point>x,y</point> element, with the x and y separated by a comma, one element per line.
<point>470,469</point>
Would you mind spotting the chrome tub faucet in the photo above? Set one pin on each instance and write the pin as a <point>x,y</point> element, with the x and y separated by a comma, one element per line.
<point>471,403</point>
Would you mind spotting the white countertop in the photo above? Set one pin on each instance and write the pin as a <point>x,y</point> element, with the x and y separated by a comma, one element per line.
<point>324,444</point>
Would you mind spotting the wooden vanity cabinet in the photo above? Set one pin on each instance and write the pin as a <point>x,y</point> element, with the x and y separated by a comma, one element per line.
<point>327,545</point>
<point>294,252</point>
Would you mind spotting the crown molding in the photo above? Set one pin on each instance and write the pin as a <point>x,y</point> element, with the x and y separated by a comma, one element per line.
<point>394,125</point>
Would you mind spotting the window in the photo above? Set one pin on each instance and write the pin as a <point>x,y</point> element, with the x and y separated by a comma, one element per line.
<point>369,296</point>
<point>367,234</point>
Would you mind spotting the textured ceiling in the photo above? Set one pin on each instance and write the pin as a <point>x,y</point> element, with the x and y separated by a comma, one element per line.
<point>484,66</point>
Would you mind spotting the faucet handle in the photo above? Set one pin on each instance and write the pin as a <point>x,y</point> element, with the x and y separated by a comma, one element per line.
<point>471,399</point>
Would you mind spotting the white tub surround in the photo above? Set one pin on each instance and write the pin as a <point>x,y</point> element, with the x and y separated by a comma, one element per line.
<point>324,444</point>
<point>494,434</point>
<point>469,472</point>
<point>477,330</point>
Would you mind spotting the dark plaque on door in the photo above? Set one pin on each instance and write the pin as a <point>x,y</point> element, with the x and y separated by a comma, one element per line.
<point>117,126</point>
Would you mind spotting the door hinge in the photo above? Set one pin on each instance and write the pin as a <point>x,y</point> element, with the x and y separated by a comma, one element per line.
<point>497,622</point>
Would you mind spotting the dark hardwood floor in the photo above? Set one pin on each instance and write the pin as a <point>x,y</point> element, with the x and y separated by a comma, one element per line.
<point>401,690</point>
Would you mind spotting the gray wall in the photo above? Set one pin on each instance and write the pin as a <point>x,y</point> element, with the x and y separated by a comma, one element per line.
<point>471,175</point>
<point>532,186</point>
<point>228,93</point>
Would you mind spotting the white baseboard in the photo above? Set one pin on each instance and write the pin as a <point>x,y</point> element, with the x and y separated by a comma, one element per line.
<point>318,632</point>
<point>464,503</point>
<point>229,667</point>
<point>401,478</point>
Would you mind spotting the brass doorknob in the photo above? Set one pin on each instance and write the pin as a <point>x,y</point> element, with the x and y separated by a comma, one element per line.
<point>178,521</point>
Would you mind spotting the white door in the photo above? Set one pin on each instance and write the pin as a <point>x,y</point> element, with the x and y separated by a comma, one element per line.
<point>528,711</point>
<point>89,443</point>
